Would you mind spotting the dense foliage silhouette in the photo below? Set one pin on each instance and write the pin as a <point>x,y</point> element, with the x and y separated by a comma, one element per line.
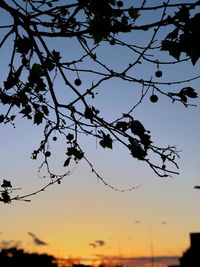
<point>30,89</point>
<point>17,257</point>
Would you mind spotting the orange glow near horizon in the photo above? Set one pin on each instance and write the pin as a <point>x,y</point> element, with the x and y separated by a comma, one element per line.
<point>81,217</point>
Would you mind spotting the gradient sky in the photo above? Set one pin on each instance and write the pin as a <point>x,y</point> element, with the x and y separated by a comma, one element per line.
<point>81,209</point>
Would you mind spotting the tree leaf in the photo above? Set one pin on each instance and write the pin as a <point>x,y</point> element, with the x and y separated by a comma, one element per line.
<point>38,117</point>
<point>197,187</point>
<point>106,141</point>
<point>56,56</point>
<point>133,13</point>
<point>36,72</point>
<point>122,125</point>
<point>5,197</point>
<point>194,54</point>
<point>6,183</point>
<point>67,161</point>
<point>26,111</point>
<point>137,128</point>
<point>172,47</point>
<point>189,91</point>
<point>45,110</point>
<point>136,149</point>
<point>173,35</point>
<point>70,137</point>
<point>13,78</point>
<point>23,45</point>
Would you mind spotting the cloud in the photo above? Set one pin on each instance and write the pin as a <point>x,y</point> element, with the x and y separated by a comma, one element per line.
<point>97,243</point>
<point>100,242</point>
<point>36,240</point>
<point>137,221</point>
<point>93,245</point>
<point>9,243</point>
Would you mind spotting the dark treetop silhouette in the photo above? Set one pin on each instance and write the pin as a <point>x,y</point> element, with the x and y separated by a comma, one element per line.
<point>29,87</point>
<point>17,257</point>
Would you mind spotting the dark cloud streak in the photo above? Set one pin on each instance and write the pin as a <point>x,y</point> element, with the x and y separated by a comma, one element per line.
<point>97,243</point>
<point>36,240</point>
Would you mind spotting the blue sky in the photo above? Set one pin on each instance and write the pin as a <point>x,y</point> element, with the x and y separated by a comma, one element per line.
<point>71,215</point>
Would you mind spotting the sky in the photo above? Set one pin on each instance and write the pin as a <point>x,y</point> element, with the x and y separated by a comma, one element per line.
<point>69,217</point>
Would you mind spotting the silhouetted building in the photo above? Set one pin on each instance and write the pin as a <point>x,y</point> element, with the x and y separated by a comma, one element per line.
<point>191,257</point>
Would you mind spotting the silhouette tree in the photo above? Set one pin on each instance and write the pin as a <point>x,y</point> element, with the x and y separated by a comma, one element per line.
<point>17,257</point>
<point>30,87</point>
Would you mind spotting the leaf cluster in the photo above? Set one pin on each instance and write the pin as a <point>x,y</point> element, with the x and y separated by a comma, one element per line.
<point>184,38</point>
<point>5,197</point>
<point>30,86</point>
